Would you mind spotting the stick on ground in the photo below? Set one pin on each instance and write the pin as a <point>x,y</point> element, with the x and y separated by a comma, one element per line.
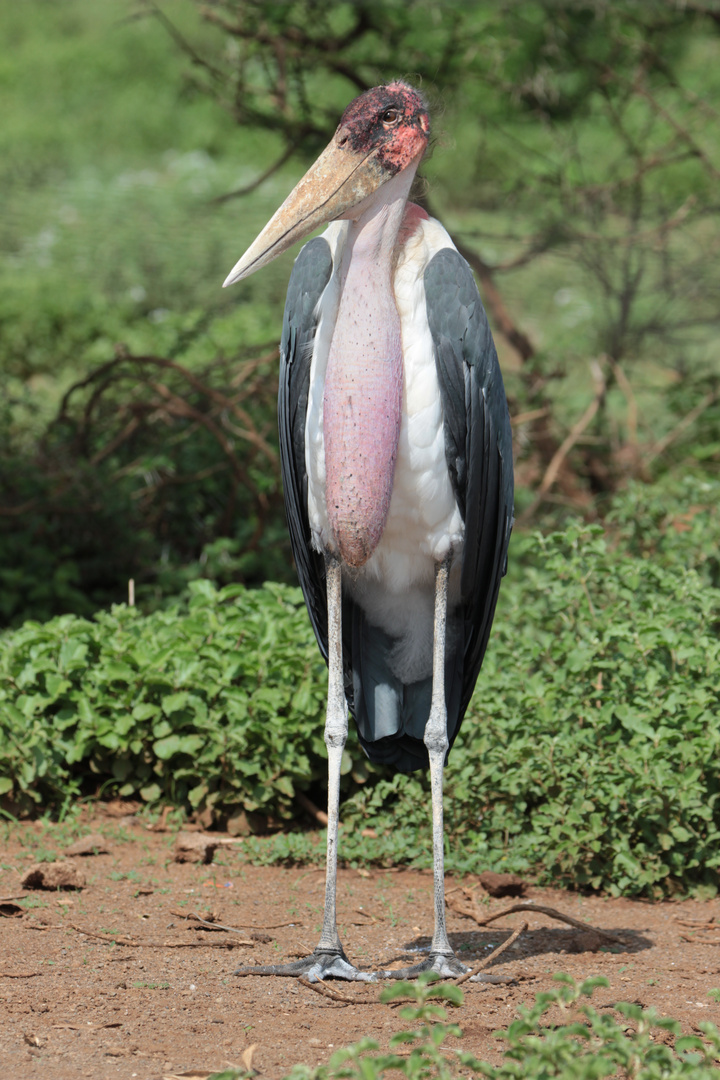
<point>493,955</point>
<point>327,991</point>
<point>471,910</point>
<point>552,913</point>
<point>109,939</point>
<point>194,917</point>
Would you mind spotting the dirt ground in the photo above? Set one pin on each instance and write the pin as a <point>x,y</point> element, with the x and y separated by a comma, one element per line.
<point>76,1002</point>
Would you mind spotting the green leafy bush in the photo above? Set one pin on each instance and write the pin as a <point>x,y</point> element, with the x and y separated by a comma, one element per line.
<point>603,720</point>
<point>215,703</point>
<point>587,1046</point>
<point>592,743</point>
<point>589,752</point>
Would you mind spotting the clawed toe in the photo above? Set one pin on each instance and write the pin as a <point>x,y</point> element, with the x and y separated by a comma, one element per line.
<point>319,965</point>
<point>446,965</point>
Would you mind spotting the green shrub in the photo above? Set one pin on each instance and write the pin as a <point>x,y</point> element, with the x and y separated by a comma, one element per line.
<point>589,753</point>
<point>592,744</point>
<point>586,1046</point>
<point>217,702</point>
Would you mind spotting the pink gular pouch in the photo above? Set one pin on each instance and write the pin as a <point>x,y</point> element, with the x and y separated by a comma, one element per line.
<point>362,412</point>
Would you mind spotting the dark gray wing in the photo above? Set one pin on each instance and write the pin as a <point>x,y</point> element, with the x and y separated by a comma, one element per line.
<point>478,450</point>
<point>311,273</point>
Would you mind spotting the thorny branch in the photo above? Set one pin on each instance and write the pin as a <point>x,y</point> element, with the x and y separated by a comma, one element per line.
<point>98,420</point>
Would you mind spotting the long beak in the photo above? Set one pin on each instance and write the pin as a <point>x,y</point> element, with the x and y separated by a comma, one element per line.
<point>339,179</point>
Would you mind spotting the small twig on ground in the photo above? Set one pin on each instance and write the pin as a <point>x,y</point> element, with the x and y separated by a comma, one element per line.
<point>246,926</point>
<point>192,916</point>
<point>704,941</point>
<point>109,939</point>
<point>337,995</point>
<point>300,950</point>
<point>369,915</point>
<point>493,955</point>
<point>20,974</point>
<point>327,991</point>
<point>468,907</point>
<point>553,913</point>
<point>231,943</point>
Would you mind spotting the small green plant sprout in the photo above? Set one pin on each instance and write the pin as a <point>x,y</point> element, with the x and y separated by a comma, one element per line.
<point>714,993</point>
<point>426,1057</point>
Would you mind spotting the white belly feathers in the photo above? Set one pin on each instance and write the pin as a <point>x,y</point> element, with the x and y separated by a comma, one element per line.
<point>396,585</point>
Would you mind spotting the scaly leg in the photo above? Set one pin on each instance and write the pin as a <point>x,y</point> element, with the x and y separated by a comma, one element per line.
<point>442,959</point>
<point>328,959</point>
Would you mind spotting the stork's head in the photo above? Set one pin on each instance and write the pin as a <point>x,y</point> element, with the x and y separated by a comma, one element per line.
<point>381,133</point>
<point>388,125</point>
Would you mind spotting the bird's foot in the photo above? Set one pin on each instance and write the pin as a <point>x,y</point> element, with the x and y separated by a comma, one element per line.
<point>446,965</point>
<point>319,965</point>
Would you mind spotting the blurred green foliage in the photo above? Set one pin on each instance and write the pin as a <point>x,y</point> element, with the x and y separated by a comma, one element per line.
<point>588,755</point>
<point>576,159</point>
<point>109,162</point>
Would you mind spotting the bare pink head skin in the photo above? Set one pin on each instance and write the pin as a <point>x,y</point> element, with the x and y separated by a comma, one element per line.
<point>364,176</point>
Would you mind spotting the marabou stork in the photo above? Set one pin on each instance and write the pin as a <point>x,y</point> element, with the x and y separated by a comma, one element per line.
<point>396,463</point>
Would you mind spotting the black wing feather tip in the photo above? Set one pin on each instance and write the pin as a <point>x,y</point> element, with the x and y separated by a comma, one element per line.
<point>478,444</point>
<point>310,276</point>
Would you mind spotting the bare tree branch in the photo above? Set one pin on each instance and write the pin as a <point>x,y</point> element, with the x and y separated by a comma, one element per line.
<point>287,153</point>
<point>567,444</point>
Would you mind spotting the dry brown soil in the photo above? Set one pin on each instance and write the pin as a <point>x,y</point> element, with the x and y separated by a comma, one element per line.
<point>77,1005</point>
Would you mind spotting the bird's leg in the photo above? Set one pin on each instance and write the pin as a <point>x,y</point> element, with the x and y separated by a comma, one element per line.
<point>336,728</point>
<point>328,959</point>
<point>436,741</point>
<point>442,959</point>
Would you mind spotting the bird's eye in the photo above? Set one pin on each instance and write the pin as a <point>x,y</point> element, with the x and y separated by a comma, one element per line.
<point>391,116</point>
